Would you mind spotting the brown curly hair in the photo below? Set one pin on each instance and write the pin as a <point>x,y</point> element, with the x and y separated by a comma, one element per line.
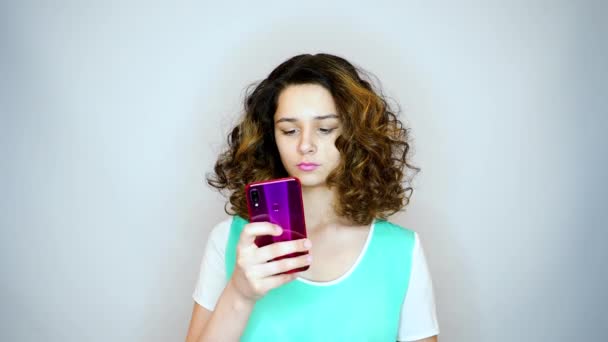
<point>372,179</point>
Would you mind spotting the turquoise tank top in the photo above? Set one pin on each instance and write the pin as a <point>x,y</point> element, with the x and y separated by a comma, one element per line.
<point>364,306</point>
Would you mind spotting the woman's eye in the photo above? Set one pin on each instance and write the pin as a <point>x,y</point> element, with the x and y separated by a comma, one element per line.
<point>321,130</point>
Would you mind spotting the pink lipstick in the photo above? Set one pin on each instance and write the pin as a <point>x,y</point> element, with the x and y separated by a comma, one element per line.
<point>307,166</point>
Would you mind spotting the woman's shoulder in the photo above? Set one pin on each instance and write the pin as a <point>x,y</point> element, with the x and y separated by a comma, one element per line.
<point>224,224</point>
<point>394,229</point>
<point>220,231</point>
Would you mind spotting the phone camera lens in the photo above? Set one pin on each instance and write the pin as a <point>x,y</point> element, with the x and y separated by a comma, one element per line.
<point>255,197</point>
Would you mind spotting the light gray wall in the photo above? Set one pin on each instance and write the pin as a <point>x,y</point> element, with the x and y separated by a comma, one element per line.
<point>112,112</point>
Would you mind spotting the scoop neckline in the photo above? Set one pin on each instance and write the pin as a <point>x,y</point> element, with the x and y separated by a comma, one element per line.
<point>352,267</point>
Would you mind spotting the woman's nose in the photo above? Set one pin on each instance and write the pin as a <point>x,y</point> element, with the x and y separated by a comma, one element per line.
<point>307,144</point>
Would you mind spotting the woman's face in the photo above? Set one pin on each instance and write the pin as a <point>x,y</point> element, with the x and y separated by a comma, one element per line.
<point>306,126</point>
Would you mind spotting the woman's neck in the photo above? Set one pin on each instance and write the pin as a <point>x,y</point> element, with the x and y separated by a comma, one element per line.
<point>319,210</point>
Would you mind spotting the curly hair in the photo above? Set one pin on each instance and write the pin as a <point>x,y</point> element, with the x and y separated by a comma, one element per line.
<point>372,178</point>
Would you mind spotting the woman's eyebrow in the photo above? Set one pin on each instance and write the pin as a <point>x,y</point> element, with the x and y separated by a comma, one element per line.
<point>322,117</point>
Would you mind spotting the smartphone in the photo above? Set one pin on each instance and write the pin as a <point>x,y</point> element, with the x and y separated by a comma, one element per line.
<point>278,201</point>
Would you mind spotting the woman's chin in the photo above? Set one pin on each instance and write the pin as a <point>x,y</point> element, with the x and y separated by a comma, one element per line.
<point>311,181</point>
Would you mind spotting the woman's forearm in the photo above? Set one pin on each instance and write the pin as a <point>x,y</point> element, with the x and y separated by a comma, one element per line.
<point>228,320</point>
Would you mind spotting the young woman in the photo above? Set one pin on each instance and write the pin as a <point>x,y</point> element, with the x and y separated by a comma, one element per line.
<point>315,118</point>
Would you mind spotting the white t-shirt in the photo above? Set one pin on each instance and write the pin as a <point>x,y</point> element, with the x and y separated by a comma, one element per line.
<point>418,305</point>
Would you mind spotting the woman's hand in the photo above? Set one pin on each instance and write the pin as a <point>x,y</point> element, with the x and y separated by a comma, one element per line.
<point>253,275</point>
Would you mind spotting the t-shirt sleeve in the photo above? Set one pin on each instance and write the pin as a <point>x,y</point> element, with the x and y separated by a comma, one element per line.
<point>212,277</point>
<point>418,314</point>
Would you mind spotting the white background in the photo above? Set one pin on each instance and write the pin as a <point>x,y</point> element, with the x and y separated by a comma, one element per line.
<point>112,113</point>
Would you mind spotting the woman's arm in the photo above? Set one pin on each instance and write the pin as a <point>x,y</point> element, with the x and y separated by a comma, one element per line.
<point>200,317</point>
<point>225,323</point>
<point>252,278</point>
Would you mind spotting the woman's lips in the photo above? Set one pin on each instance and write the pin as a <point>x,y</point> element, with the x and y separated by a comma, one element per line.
<point>307,166</point>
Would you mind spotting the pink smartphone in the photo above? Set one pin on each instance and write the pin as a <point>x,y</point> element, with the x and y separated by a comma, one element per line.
<point>278,201</point>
